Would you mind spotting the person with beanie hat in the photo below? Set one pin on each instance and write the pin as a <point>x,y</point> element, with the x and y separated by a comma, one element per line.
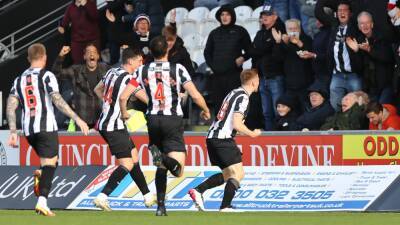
<point>151,8</point>
<point>287,116</point>
<point>224,54</point>
<point>318,110</point>
<point>139,38</point>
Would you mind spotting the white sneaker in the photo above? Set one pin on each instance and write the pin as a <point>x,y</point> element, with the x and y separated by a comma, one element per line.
<point>230,210</point>
<point>41,208</point>
<point>101,202</point>
<point>150,199</point>
<point>197,199</point>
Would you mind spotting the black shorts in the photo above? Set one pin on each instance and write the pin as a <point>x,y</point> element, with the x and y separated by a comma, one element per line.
<point>119,142</point>
<point>223,152</point>
<point>166,132</point>
<point>45,144</point>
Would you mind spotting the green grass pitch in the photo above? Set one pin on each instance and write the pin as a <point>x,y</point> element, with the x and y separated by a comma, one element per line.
<point>22,217</point>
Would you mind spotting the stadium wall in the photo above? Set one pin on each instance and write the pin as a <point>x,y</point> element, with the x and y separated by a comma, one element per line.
<point>270,149</point>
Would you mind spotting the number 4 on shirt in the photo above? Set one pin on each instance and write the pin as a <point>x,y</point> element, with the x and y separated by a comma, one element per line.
<point>159,95</point>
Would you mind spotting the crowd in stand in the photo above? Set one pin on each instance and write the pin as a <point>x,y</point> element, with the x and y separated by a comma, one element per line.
<point>323,65</point>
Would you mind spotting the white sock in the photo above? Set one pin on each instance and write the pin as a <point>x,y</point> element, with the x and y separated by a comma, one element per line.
<point>102,196</point>
<point>42,201</point>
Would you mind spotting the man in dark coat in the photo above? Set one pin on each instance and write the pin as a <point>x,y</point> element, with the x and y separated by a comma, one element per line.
<point>223,54</point>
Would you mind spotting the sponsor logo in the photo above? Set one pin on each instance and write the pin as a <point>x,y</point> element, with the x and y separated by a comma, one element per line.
<point>371,147</point>
<point>262,189</point>
<point>263,151</point>
<point>21,187</point>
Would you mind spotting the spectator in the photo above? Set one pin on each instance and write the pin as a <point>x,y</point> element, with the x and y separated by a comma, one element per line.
<point>377,58</point>
<point>286,119</point>
<point>351,117</point>
<point>298,69</point>
<point>84,79</point>
<point>268,58</point>
<point>119,8</point>
<point>139,38</point>
<point>378,10</point>
<point>342,60</point>
<point>83,18</point>
<point>382,116</point>
<point>318,110</point>
<point>177,52</point>
<point>153,9</point>
<point>223,54</point>
<point>318,55</point>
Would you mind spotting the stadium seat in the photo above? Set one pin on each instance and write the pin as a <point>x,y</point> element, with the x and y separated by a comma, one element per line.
<point>207,26</point>
<point>243,12</point>
<point>256,12</point>
<point>252,25</point>
<point>188,27</point>
<point>193,41</point>
<point>204,42</point>
<point>198,14</point>
<point>211,14</point>
<point>181,14</point>
<point>198,56</point>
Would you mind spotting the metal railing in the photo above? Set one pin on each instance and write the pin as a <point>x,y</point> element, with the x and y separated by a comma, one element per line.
<point>9,47</point>
<point>7,4</point>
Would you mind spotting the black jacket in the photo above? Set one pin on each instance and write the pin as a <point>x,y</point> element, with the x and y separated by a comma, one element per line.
<point>313,118</point>
<point>378,63</point>
<point>268,57</point>
<point>320,48</point>
<point>287,122</point>
<point>179,54</point>
<point>133,40</point>
<point>298,71</point>
<point>225,44</point>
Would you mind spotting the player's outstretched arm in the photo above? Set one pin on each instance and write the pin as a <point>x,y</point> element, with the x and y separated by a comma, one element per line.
<point>198,99</point>
<point>239,126</point>
<point>12,104</point>
<point>61,105</point>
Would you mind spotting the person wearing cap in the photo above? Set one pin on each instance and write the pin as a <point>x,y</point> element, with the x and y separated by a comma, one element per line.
<point>318,109</point>
<point>268,58</point>
<point>224,54</point>
<point>139,38</point>
<point>287,116</point>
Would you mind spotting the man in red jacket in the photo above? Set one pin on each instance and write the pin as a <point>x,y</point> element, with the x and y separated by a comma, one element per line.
<point>382,116</point>
<point>83,18</point>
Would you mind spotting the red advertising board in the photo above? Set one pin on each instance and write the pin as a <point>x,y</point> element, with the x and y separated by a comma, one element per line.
<point>262,151</point>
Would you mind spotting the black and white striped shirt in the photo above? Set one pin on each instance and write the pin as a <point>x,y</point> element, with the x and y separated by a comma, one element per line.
<point>163,82</point>
<point>33,89</point>
<point>114,82</point>
<point>340,52</point>
<point>237,101</point>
